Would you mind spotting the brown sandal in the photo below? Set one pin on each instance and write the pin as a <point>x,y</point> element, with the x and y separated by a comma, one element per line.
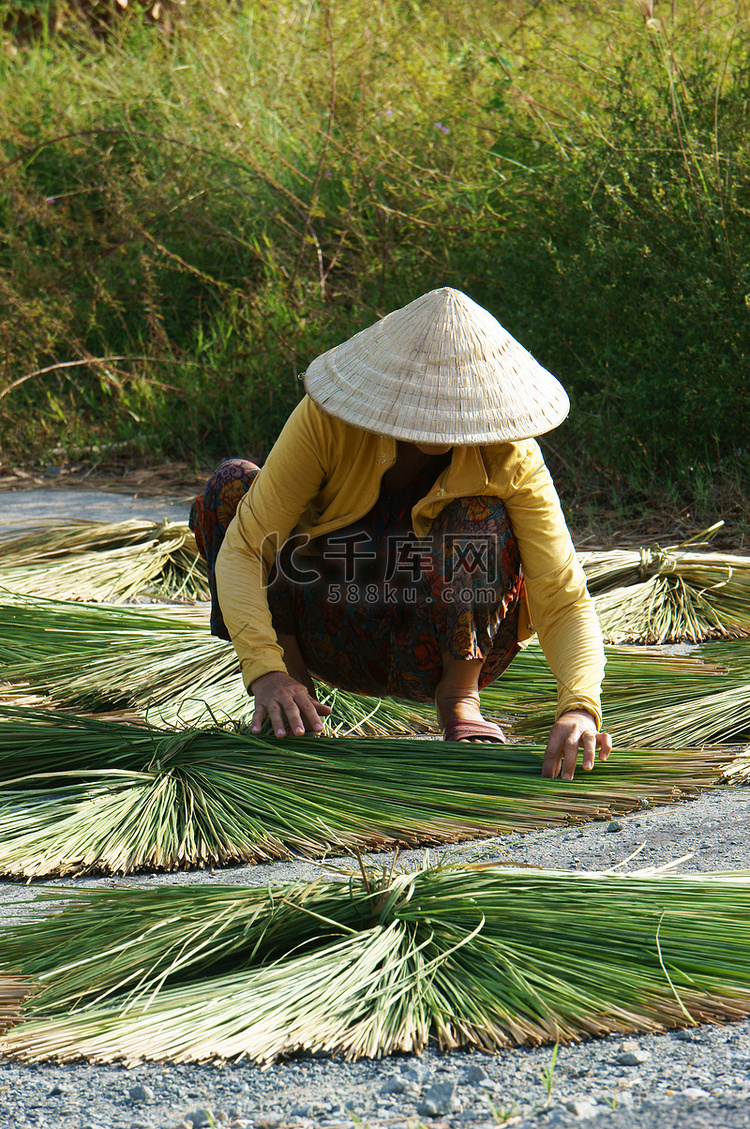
<point>474,731</point>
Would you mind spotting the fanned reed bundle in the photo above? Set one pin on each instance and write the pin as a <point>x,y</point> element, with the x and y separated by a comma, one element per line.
<point>377,964</point>
<point>162,663</point>
<point>709,701</point>
<point>672,595</point>
<point>91,560</point>
<point>79,795</point>
<point>649,699</point>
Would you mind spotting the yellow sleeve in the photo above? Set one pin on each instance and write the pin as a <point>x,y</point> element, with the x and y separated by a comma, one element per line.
<point>290,478</point>
<point>562,611</point>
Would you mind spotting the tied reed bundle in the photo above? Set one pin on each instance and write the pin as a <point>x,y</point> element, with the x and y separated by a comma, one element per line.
<point>671,595</point>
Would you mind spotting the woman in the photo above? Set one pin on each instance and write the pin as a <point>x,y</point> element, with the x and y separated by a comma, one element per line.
<point>404,534</point>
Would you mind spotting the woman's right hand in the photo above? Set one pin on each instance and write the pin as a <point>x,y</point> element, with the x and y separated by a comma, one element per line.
<point>291,707</point>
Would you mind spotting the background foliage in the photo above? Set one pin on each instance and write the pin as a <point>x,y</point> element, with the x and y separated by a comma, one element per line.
<point>198,198</point>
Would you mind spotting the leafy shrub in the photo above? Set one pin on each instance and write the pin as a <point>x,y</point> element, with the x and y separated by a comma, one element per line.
<point>191,217</point>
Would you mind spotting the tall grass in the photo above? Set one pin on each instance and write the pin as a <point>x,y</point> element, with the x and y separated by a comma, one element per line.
<point>188,218</point>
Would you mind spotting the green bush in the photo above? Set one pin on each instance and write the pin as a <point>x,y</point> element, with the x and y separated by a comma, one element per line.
<point>193,216</point>
<point>628,271</point>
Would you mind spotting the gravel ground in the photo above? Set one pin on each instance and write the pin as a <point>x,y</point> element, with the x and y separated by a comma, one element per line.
<point>701,1079</point>
<point>686,1079</point>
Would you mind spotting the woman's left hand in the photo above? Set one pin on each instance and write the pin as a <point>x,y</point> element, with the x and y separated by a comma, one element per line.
<point>573,731</point>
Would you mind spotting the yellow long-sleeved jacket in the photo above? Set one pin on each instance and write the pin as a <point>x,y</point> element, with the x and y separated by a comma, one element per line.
<point>322,474</point>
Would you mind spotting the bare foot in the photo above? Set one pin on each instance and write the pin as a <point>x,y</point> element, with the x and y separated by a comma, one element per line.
<point>452,705</point>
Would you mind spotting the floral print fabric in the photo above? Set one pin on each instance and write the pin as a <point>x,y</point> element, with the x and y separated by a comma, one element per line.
<point>374,608</point>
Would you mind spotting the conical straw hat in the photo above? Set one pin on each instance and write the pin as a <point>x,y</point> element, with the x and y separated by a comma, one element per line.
<point>440,370</point>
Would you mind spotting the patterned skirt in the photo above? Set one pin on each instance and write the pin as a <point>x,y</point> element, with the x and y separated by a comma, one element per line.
<point>373,607</point>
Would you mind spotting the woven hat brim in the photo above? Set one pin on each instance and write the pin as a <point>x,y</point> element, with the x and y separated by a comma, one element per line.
<point>440,370</point>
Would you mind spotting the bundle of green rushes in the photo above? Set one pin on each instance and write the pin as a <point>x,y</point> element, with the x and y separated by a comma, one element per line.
<point>165,665</point>
<point>80,795</point>
<point>162,663</point>
<point>649,699</point>
<point>468,956</point>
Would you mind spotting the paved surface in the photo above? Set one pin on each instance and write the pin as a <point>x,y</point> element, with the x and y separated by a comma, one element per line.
<point>39,506</point>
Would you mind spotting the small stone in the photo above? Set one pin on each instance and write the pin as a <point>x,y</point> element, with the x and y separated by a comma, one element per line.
<point>643,804</point>
<point>141,1094</point>
<point>395,1085</point>
<point>615,825</point>
<point>624,1099</point>
<point>695,1092</point>
<point>58,1091</point>
<point>633,1058</point>
<point>199,1118</point>
<point>439,1100</point>
<point>583,1109</point>
<point>304,1110</point>
<point>686,1035</point>
<point>475,1075</point>
<point>418,1074</point>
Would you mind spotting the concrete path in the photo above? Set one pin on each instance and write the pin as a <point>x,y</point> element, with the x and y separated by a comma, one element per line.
<point>41,506</point>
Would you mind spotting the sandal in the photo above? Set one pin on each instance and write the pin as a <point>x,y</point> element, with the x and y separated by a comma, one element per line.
<point>474,731</point>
